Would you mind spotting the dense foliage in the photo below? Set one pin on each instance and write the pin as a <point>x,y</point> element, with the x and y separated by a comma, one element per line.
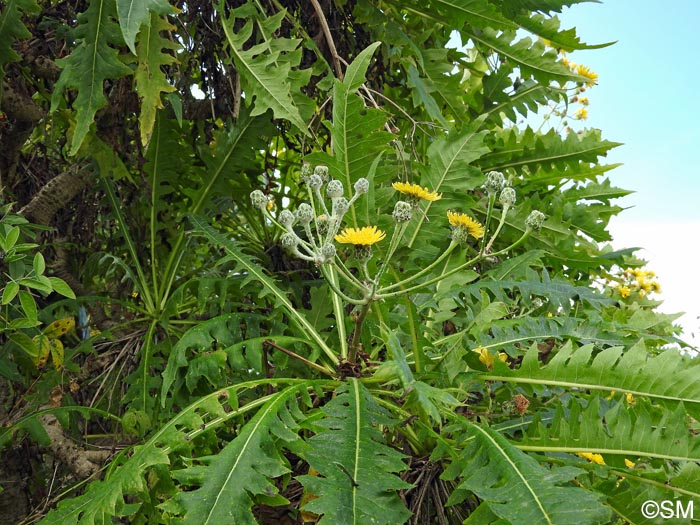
<point>335,261</point>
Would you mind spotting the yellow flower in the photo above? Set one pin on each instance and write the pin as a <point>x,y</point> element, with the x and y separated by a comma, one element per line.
<point>565,61</point>
<point>581,114</point>
<point>624,291</point>
<point>585,71</point>
<point>630,398</point>
<point>628,463</point>
<point>655,286</point>
<point>584,101</point>
<point>486,357</point>
<point>415,191</point>
<point>460,220</point>
<point>365,236</point>
<point>593,458</point>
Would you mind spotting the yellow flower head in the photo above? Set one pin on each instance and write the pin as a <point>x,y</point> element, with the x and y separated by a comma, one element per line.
<point>460,220</point>
<point>593,458</point>
<point>365,236</point>
<point>415,191</point>
<point>487,358</point>
<point>586,71</point>
<point>628,463</point>
<point>624,291</point>
<point>655,286</point>
<point>584,101</point>
<point>581,114</point>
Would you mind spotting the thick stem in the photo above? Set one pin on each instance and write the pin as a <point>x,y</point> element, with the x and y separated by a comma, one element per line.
<point>357,333</point>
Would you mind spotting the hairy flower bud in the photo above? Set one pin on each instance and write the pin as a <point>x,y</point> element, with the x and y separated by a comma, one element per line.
<point>289,240</point>
<point>314,182</point>
<point>507,197</point>
<point>305,213</point>
<point>494,182</point>
<point>340,206</point>
<point>286,218</point>
<point>328,251</point>
<point>334,189</point>
<point>322,225</point>
<point>535,220</point>
<point>403,211</point>
<point>306,171</point>
<point>258,199</point>
<point>322,171</point>
<point>361,186</point>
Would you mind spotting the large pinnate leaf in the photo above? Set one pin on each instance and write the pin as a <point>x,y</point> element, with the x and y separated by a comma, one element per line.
<point>515,487</point>
<point>12,27</point>
<point>356,130</point>
<point>357,481</point>
<point>670,377</point>
<point>265,69</point>
<point>136,13</point>
<point>243,469</point>
<point>94,60</point>
<point>624,430</point>
<point>149,78</point>
<point>517,149</point>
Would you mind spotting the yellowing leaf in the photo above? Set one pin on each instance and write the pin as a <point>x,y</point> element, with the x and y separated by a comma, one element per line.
<point>43,346</point>
<point>59,328</point>
<point>57,353</point>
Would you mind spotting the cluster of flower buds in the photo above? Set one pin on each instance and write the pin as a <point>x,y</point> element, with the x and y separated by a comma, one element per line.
<point>311,229</point>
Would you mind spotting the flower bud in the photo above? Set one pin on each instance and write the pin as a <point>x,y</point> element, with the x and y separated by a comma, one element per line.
<point>322,171</point>
<point>289,240</point>
<point>286,218</point>
<point>507,197</point>
<point>322,225</point>
<point>328,251</point>
<point>305,213</point>
<point>258,199</point>
<point>314,182</point>
<point>494,182</point>
<point>306,171</point>
<point>334,189</point>
<point>403,211</point>
<point>535,220</point>
<point>361,186</point>
<point>340,206</point>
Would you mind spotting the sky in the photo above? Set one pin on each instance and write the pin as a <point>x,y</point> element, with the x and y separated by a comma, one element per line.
<point>648,97</point>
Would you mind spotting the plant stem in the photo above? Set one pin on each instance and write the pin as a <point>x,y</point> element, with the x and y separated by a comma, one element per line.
<point>489,213</point>
<point>425,270</point>
<point>357,333</point>
<point>316,366</point>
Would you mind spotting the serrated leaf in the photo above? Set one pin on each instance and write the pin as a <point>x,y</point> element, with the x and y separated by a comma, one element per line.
<point>265,70</point>
<point>517,488</point>
<point>548,28</point>
<point>357,481</point>
<point>670,376</point>
<point>149,78</point>
<point>244,468</point>
<point>135,13</point>
<point>12,28</point>
<point>517,149</point>
<point>94,60</point>
<point>623,430</point>
<point>357,70</point>
<point>531,57</point>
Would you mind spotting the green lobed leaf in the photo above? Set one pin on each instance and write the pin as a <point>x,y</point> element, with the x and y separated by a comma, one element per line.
<point>265,69</point>
<point>135,13</point>
<point>94,60</point>
<point>623,430</point>
<point>149,78</point>
<point>227,482</point>
<point>357,481</point>
<point>515,487</point>
<point>12,28</point>
<point>669,376</point>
